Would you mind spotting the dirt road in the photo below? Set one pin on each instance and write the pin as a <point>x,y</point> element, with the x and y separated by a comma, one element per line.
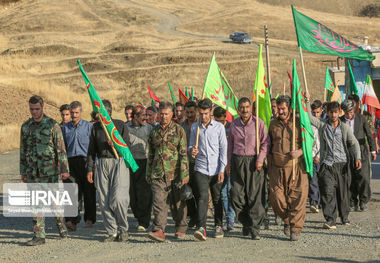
<point>359,242</point>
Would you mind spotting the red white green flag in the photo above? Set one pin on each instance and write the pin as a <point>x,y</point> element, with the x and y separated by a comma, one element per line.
<point>219,91</point>
<point>98,107</point>
<point>369,95</point>
<point>315,37</point>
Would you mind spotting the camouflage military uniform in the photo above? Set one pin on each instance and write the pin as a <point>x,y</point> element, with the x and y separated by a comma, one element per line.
<point>167,165</point>
<point>42,158</point>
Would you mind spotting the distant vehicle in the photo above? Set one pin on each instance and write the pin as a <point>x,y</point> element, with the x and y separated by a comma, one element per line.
<point>241,38</point>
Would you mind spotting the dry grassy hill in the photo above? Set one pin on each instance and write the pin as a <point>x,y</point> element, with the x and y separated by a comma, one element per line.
<point>127,45</point>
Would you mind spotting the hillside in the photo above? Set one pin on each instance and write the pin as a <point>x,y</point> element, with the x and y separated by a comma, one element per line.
<point>127,45</point>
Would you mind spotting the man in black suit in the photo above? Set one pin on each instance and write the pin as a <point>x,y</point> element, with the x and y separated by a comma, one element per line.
<point>360,181</point>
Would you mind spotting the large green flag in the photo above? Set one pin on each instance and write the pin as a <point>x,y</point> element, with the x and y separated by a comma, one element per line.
<point>218,90</point>
<point>315,37</point>
<point>353,88</point>
<point>117,140</point>
<point>298,105</point>
<point>265,109</point>
<point>329,85</point>
<point>172,94</point>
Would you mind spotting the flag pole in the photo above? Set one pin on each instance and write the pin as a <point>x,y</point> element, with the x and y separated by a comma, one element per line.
<point>303,70</point>
<point>269,82</point>
<point>109,138</point>
<point>325,95</point>
<point>284,89</point>
<point>257,124</point>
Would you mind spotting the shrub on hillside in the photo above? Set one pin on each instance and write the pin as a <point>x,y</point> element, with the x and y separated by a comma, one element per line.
<point>372,10</point>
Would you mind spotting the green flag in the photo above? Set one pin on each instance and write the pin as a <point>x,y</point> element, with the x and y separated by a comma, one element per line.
<point>192,93</point>
<point>315,37</point>
<point>353,88</point>
<point>187,93</point>
<point>218,90</point>
<point>298,105</point>
<point>329,85</point>
<point>172,94</point>
<point>117,140</point>
<point>265,108</point>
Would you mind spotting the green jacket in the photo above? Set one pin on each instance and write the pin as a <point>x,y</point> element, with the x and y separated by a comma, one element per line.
<point>167,156</point>
<point>42,149</point>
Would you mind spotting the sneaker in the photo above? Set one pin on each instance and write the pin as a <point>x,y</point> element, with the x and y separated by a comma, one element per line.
<point>179,235</point>
<point>110,238</point>
<point>230,226</point>
<point>363,207</point>
<point>140,228</point>
<point>200,234</point>
<point>62,230</point>
<point>245,231</point>
<point>287,230</point>
<point>218,233</point>
<point>346,222</point>
<point>294,236</point>
<point>328,225</point>
<point>314,208</point>
<point>123,237</point>
<point>157,235</point>
<point>35,241</point>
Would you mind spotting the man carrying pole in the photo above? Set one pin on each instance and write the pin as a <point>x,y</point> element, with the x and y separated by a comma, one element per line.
<point>245,162</point>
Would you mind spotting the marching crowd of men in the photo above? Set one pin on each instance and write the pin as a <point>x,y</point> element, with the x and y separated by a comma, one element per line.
<point>236,168</point>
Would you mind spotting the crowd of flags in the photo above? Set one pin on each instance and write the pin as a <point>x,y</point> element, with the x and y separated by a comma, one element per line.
<point>311,36</point>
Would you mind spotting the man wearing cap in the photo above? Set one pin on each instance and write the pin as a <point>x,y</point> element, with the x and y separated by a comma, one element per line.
<point>360,179</point>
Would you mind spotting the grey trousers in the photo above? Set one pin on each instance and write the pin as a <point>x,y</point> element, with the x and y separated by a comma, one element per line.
<point>112,183</point>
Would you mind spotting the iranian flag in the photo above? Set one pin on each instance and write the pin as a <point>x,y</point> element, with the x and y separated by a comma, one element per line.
<point>299,105</point>
<point>117,140</point>
<point>261,86</point>
<point>369,96</point>
<point>315,37</point>
<point>219,91</point>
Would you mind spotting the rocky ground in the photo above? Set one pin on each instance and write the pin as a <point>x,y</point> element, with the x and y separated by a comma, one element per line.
<point>359,242</point>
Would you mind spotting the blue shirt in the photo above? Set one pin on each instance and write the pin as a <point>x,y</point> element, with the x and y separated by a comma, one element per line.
<point>212,148</point>
<point>77,138</point>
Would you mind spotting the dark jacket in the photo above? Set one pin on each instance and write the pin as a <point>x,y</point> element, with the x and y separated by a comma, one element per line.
<point>99,147</point>
<point>361,132</point>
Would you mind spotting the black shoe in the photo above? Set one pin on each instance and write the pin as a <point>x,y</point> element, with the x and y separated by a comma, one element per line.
<point>123,237</point>
<point>110,238</point>
<point>192,223</point>
<point>255,236</point>
<point>62,229</point>
<point>36,241</point>
<point>354,208</point>
<point>294,236</point>
<point>245,231</point>
<point>363,207</point>
<point>287,230</point>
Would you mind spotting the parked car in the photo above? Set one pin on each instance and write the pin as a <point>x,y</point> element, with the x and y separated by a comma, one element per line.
<point>241,38</point>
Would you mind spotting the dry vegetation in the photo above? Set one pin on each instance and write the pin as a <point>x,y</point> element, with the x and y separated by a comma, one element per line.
<point>126,45</point>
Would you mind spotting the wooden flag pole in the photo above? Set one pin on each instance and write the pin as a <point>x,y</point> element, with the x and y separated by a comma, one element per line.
<point>257,124</point>
<point>303,71</point>
<point>284,89</point>
<point>325,95</point>
<point>269,82</point>
<point>109,138</point>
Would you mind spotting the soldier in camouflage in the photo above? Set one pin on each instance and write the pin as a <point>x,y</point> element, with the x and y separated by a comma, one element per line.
<point>42,159</point>
<point>167,170</point>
